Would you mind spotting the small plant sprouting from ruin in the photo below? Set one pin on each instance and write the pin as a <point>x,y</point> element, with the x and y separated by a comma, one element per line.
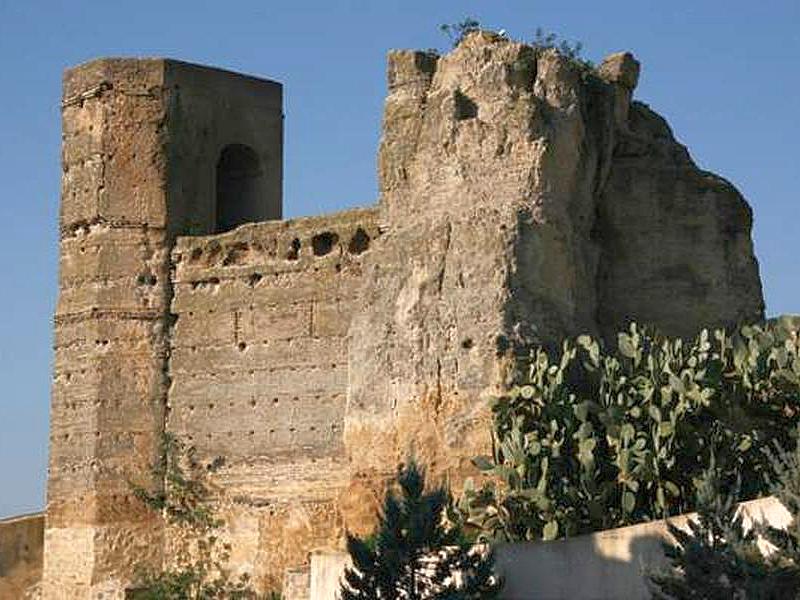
<point>458,31</point>
<point>197,566</point>
<point>544,40</point>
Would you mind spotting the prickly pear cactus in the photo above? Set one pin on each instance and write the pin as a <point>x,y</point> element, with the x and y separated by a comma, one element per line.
<point>592,438</point>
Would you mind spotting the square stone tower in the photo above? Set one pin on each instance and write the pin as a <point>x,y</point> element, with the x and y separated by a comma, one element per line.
<point>152,149</point>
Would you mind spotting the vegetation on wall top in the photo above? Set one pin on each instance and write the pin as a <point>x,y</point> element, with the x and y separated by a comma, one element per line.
<point>541,40</point>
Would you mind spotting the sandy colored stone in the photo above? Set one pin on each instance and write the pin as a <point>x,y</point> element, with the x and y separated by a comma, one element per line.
<point>523,197</point>
<point>21,556</point>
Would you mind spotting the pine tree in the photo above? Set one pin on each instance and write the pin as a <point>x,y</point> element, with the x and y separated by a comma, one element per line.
<point>413,555</point>
<point>785,486</point>
<point>718,558</point>
<point>715,559</point>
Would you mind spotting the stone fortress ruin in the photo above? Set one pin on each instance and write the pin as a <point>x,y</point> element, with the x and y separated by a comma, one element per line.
<point>522,198</point>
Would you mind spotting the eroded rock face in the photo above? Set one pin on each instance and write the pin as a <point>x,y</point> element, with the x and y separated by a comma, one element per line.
<point>526,198</point>
<point>676,246</point>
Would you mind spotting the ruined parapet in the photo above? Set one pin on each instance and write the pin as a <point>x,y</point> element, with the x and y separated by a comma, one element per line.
<point>146,145</point>
<point>526,198</point>
<point>259,376</point>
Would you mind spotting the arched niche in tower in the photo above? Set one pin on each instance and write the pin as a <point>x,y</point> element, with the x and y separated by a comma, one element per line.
<point>240,182</point>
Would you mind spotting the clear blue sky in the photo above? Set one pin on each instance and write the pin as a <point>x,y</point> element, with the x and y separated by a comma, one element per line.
<point>724,73</point>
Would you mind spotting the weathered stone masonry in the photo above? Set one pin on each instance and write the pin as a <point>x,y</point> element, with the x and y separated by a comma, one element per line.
<point>260,374</point>
<point>522,199</point>
<point>142,146</point>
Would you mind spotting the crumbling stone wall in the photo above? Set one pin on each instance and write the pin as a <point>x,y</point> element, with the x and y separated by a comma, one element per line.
<point>528,198</point>
<point>259,375</point>
<point>132,132</point>
<point>21,549</point>
<point>524,196</point>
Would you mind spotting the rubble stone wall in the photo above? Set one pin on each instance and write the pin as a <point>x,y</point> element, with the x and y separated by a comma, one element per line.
<point>129,128</point>
<point>21,551</point>
<point>259,374</point>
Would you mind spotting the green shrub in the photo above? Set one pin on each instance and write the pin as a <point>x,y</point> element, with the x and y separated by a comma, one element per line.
<point>717,558</point>
<point>590,439</point>
<point>458,31</point>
